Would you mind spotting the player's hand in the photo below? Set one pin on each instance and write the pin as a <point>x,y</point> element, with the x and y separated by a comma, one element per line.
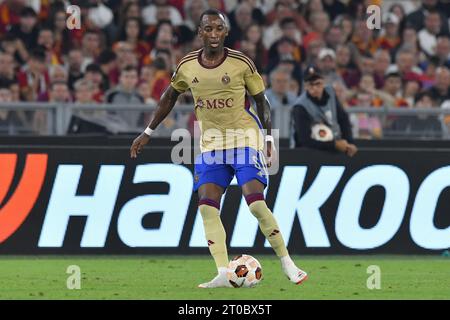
<point>341,145</point>
<point>138,144</point>
<point>271,153</point>
<point>351,150</point>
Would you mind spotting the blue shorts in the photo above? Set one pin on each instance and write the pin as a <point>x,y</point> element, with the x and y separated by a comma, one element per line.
<point>220,166</point>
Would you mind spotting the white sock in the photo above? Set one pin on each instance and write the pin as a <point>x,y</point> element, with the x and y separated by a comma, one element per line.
<point>222,271</point>
<point>286,260</point>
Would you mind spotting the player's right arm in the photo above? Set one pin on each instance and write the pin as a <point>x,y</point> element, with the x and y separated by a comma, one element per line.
<point>166,105</point>
<point>178,85</point>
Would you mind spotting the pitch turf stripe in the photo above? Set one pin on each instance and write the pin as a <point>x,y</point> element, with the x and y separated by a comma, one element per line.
<point>183,62</point>
<point>243,60</point>
<point>238,53</point>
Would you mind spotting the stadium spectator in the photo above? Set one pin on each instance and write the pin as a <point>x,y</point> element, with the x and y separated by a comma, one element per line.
<point>145,92</point>
<point>131,9</point>
<point>279,94</point>
<point>46,40</point>
<point>319,23</point>
<point>95,75</point>
<point>126,93</point>
<point>160,78</point>
<point>392,90</point>
<point>10,120</point>
<point>252,45</point>
<point>345,65</point>
<point>63,39</point>
<point>406,65</point>
<point>57,74</point>
<point>443,50</point>
<point>243,19</point>
<point>132,32</point>
<point>192,12</point>
<point>33,77</point>
<point>363,38</point>
<point>108,64</point>
<point>100,15</point>
<point>10,14</point>
<point>419,126</point>
<point>366,95</point>
<point>334,8</point>
<point>7,66</point>
<point>282,49</point>
<point>313,49</point>
<point>161,9</point>
<point>91,47</point>
<point>319,120</point>
<point>311,7</point>
<point>274,30</point>
<point>417,18</point>
<point>346,24</point>
<point>27,29</point>
<point>73,64</point>
<point>411,90</point>
<point>334,37</point>
<point>84,92</point>
<point>382,61</point>
<point>328,68</point>
<point>441,89</point>
<point>428,35</point>
<point>390,37</point>
<point>59,92</point>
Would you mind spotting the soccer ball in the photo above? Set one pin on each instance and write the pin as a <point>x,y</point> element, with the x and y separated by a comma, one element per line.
<point>244,271</point>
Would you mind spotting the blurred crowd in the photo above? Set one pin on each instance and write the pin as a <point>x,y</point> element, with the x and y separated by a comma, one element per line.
<point>126,51</point>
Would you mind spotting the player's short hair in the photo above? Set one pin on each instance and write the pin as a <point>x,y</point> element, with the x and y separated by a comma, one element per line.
<point>212,12</point>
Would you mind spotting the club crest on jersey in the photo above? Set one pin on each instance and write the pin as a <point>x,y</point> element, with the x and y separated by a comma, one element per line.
<point>226,79</point>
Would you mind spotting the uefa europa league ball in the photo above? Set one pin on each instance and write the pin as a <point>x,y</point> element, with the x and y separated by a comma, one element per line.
<point>244,271</point>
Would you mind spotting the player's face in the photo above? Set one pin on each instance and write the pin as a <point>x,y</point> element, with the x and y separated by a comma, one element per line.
<point>315,88</point>
<point>212,31</point>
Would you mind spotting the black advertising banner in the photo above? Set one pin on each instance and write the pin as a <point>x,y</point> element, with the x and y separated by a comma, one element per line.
<point>86,199</point>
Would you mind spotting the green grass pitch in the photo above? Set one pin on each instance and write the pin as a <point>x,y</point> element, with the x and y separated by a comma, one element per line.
<point>176,277</point>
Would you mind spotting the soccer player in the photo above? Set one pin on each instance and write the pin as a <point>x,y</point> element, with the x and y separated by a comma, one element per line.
<point>218,78</point>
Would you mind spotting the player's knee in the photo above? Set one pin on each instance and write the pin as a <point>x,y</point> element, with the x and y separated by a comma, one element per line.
<point>256,204</point>
<point>208,208</point>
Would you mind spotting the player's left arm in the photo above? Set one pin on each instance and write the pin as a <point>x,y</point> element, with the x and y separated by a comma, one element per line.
<point>264,115</point>
<point>255,86</point>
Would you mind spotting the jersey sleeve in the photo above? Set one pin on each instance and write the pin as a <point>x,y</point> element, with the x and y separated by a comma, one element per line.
<point>178,80</point>
<point>253,81</point>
